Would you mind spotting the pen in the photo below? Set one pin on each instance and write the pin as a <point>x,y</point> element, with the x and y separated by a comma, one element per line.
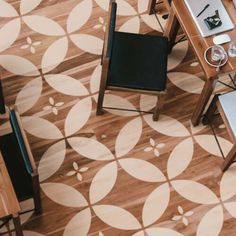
<point>203,10</point>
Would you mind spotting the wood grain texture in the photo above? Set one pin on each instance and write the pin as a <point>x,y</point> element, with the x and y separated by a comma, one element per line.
<point>60,122</point>
<point>9,204</point>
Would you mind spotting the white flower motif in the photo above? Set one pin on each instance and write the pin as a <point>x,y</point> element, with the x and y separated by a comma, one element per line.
<point>53,106</point>
<point>154,147</point>
<point>77,171</point>
<point>101,24</point>
<point>182,216</point>
<point>31,45</point>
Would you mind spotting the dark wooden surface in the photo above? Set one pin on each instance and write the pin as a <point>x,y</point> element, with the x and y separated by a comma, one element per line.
<point>174,131</point>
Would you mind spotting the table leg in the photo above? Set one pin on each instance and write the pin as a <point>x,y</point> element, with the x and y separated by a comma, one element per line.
<point>203,99</point>
<point>171,29</point>
<point>229,158</point>
<point>17,224</point>
<point>167,4</point>
<point>151,6</point>
<point>210,111</point>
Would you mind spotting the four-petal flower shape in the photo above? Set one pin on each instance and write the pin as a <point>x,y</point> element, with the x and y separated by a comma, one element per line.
<point>182,216</point>
<point>31,45</point>
<point>154,147</point>
<point>77,171</point>
<point>53,106</point>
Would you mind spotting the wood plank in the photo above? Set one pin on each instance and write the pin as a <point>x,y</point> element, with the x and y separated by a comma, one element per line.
<point>129,193</point>
<point>9,204</point>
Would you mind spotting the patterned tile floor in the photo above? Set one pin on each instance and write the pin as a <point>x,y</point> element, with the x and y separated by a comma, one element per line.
<point>122,173</point>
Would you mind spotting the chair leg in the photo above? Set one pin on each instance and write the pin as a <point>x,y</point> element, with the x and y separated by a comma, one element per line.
<point>210,111</point>
<point>159,106</point>
<point>151,6</point>
<point>229,158</point>
<point>100,101</point>
<point>36,193</point>
<point>102,88</point>
<point>17,224</point>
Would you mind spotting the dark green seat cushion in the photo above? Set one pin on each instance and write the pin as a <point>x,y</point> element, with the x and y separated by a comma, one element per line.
<point>19,137</point>
<point>15,164</point>
<point>138,61</point>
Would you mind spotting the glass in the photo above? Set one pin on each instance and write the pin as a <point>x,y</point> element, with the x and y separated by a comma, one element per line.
<point>232,50</point>
<point>217,53</point>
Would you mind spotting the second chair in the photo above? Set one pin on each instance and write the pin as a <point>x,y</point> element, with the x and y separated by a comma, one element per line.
<point>133,62</point>
<point>20,162</point>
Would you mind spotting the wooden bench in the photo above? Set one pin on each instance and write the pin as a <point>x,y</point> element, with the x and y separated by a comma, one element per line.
<point>226,105</point>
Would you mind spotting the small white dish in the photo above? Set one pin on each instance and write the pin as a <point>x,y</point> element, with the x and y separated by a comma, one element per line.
<point>207,57</point>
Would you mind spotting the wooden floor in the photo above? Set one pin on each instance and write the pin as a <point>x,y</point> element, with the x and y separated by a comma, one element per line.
<point>120,173</point>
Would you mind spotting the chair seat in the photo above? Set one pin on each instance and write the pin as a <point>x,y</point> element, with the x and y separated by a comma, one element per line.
<point>228,105</point>
<point>16,167</point>
<point>130,50</point>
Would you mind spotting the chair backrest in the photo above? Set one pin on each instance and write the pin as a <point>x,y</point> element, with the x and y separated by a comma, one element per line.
<point>22,141</point>
<point>108,42</point>
<point>110,30</point>
<point>18,158</point>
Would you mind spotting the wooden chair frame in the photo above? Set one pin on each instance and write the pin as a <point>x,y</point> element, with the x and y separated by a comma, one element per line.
<point>105,62</point>
<point>34,174</point>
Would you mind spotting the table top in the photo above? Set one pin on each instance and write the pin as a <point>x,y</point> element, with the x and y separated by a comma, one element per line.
<point>9,204</point>
<point>199,43</point>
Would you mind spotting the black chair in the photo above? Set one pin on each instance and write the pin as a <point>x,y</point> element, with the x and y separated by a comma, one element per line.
<point>133,62</point>
<point>20,163</point>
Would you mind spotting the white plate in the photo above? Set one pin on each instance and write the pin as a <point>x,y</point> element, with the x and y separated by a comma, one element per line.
<point>207,57</point>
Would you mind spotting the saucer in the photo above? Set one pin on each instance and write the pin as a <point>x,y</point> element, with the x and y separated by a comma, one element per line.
<point>207,57</point>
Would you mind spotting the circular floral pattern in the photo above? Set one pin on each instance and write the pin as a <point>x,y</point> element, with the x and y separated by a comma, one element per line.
<point>120,157</point>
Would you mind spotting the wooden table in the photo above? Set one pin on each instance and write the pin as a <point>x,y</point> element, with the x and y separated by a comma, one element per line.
<point>9,205</point>
<point>180,16</point>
